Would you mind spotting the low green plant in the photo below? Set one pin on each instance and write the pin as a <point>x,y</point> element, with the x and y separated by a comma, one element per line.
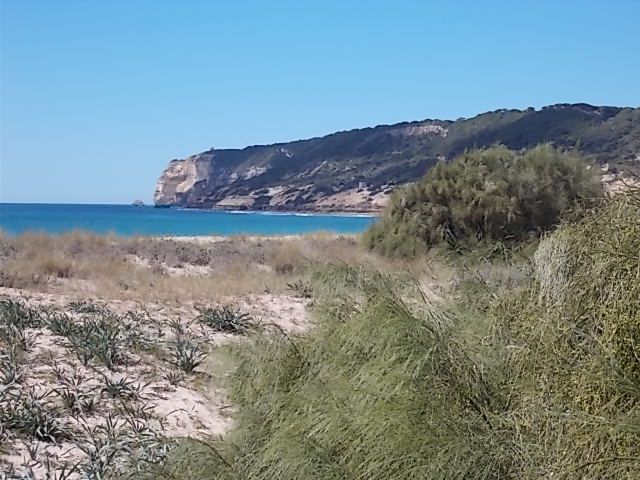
<point>78,395</point>
<point>101,337</point>
<point>174,378</point>
<point>10,367</point>
<point>141,410</point>
<point>140,324</point>
<point>104,444</point>
<point>86,306</point>
<point>123,389</point>
<point>178,327</point>
<point>18,339</point>
<point>187,354</point>
<point>226,319</point>
<point>60,324</point>
<point>27,413</point>
<point>52,470</point>
<point>18,314</point>
<point>17,320</point>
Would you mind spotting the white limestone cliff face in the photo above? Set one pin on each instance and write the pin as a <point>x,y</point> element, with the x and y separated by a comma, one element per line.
<point>204,181</point>
<point>180,177</point>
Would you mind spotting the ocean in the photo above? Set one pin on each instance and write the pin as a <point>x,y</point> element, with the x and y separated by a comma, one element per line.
<point>127,220</point>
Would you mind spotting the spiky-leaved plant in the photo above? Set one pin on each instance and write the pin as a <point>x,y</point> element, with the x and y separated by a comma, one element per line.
<point>10,368</point>
<point>123,389</point>
<point>102,337</point>
<point>28,413</point>
<point>78,394</point>
<point>226,319</point>
<point>16,318</point>
<point>17,313</point>
<point>187,354</point>
<point>60,324</point>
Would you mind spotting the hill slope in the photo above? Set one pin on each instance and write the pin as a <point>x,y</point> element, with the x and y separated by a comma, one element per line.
<point>355,170</point>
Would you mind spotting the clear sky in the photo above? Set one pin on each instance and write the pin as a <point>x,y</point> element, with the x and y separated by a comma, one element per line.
<point>98,96</point>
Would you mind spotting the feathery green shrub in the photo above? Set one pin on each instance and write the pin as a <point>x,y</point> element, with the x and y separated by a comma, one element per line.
<point>575,341</point>
<point>490,194</point>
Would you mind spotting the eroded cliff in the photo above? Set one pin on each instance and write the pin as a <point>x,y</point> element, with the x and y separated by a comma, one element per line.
<point>356,170</point>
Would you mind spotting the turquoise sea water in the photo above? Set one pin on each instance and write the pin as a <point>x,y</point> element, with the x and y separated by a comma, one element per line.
<point>127,220</point>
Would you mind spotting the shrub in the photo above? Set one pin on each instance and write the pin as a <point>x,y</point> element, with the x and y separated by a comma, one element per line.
<point>492,194</point>
<point>56,265</point>
<point>379,392</point>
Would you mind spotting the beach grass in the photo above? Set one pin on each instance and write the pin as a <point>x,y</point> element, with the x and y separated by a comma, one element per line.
<point>535,374</point>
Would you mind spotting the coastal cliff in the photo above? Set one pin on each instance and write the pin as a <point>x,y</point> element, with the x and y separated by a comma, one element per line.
<point>180,178</point>
<point>356,170</point>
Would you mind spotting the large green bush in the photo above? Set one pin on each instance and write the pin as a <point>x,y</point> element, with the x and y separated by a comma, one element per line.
<point>490,194</point>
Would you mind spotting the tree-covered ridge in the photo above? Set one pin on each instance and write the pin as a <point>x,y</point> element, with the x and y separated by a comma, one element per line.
<point>387,155</point>
<point>490,194</point>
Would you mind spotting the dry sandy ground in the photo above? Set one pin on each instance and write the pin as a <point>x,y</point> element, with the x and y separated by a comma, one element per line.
<point>194,407</point>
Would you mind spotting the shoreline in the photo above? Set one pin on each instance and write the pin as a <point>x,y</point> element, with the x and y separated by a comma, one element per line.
<point>204,239</point>
<point>309,212</point>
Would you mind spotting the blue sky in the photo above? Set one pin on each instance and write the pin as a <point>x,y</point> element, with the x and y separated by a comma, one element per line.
<point>97,97</point>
